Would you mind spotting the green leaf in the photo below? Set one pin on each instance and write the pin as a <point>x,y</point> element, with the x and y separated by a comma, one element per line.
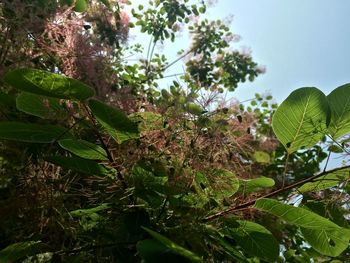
<point>147,121</point>
<point>173,247</point>
<point>79,165</point>
<point>322,234</point>
<point>261,157</point>
<point>84,149</point>
<point>80,6</point>
<point>42,107</point>
<point>89,211</point>
<point>48,84</point>
<point>326,181</point>
<point>19,250</point>
<point>114,121</point>
<point>34,133</point>
<point>222,183</point>
<point>339,102</point>
<point>255,240</point>
<point>301,120</point>
<point>252,185</point>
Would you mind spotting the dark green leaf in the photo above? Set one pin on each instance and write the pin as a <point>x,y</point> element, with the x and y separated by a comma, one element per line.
<point>19,250</point>
<point>173,247</point>
<point>255,239</point>
<point>48,84</point>
<point>114,121</point>
<point>42,107</point>
<point>79,165</point>
<point>84,149</point>
<point>35,133</point>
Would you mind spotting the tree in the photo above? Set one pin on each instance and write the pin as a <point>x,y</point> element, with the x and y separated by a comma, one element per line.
<point>99,163</point>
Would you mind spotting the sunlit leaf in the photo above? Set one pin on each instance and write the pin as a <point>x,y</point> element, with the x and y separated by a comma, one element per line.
<point>29,132</point>
<point>322,234</point>
<point>48,84</point>
<point>261,157</point>
<point>252,185</point>
<point>301,120</point>
<point>326,181</point>
<point>339,101</point>
<point>114,121</point>
<point>84,149</point>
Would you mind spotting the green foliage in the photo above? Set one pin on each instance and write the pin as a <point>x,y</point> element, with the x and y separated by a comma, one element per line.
<point>19,250</point>
<point>172,246</point>
<point>84,149</point>
<point>255,239</point>
<point>325,236</point>
<point>79,165</point>
<point>302,119</point>
<point>48,84</point>
<point>114,121</point>
<point>142,173</point>
<point>339,102</point>
<point>30,132</point>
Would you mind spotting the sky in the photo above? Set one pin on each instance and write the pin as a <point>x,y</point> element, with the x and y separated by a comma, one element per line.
<point>302,43</point>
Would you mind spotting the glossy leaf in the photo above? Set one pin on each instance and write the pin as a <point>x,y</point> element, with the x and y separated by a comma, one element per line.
<point>114,121</point>
<point>34,133</point>
<point>326,181</point>
<point>147,121</point>
<point>84,149</point>
<point>79,165</point>
<point>339,101</point>
<point>255,239</point>
<point>19,250</point>
<point>36,105</point>
<point>252,185</point>
<point>301,120</point>
<point>172,246</point>
<point>48,84</point>
<point>325,236</point>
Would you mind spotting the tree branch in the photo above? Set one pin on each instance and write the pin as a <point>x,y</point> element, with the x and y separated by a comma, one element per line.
<point>278,191</point>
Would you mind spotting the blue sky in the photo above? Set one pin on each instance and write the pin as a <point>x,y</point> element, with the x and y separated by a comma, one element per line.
<point>302,43</point>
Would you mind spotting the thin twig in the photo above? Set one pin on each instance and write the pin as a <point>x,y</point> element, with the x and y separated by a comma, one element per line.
<point>279,191</point>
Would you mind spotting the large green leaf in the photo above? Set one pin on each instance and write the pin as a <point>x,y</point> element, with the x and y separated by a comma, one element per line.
<point>48,84</point>
<point>252,185</point>
<point>79,165</point>
<point>19,250</point>
<point>84,149</point>
<point>40,106</point>
<point>339,102</point>
<point>326,181</point>
<point>114,121</point>
<point>322,234</point>
<point>29,132</point>
<point>173,247</point>
<point>301,120</point>
<point>255,240</point>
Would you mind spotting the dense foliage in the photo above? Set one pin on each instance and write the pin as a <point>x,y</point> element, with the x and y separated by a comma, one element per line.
<point>99,162</point>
